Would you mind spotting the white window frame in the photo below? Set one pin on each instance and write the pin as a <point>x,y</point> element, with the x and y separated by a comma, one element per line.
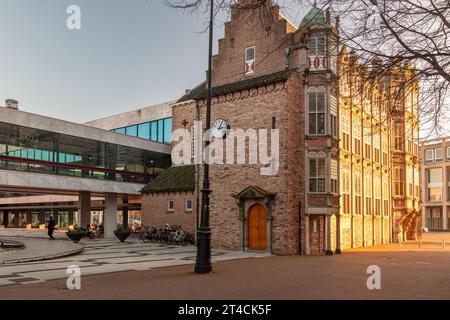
<point>436,158</point>
<point>249,61</point>
<point>186,207</point>
<point>345,189</point>
<point>334,188</point>
<point>399,180</point>
<point>171,210</point>
<point>429,156</point>
<point>317,157</point>
<point>313,49</point>
<point>316,112</point>
<point>398,137</point>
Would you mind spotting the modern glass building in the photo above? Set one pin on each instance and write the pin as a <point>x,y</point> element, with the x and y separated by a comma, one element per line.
<point>80,173</point>
<point>158,130</point>
<point>39,151</point>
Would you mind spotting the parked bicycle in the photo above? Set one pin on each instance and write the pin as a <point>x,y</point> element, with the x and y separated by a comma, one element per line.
<point>168,235</point>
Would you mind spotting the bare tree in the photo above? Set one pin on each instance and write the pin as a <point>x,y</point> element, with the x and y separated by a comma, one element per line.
<point>416,32</point>
<point>412,33</point>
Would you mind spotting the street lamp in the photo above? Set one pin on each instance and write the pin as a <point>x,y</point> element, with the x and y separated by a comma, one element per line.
<point>203,262</point>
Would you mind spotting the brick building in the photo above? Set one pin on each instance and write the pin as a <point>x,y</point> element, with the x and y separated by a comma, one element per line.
<point>270,74</point>
<point>171,199</point>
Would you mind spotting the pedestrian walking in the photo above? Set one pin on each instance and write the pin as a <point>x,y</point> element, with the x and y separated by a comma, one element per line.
<point>51,228</point>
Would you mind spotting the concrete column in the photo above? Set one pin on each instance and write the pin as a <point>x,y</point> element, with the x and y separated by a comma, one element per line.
<point>84,209</point>
<point>338,234</point>
<point>328,251</point>
<point>307,248</point>
<point>110,215</point>
<point>5,218</point>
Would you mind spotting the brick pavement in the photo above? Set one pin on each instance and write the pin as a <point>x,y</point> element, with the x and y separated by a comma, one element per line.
<point>406,273</point>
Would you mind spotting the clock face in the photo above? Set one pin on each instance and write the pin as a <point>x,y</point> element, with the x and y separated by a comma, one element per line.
<point>220,128</point>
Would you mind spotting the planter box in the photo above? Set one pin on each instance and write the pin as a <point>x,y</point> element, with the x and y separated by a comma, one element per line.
<point>122,236</point>
<point>75,237</point>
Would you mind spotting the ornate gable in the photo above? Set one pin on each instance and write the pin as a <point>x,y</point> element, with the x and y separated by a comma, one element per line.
<point>253,192</point>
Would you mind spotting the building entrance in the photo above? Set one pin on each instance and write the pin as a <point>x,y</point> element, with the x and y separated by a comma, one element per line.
<point>257,228</point>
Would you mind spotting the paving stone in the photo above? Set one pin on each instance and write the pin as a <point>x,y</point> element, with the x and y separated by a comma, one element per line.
<point>102,256</point>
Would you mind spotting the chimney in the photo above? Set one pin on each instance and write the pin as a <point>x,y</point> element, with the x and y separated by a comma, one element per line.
<point>12,104</point>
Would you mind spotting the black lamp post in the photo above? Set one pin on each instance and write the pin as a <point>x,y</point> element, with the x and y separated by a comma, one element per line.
<point>203,262</point>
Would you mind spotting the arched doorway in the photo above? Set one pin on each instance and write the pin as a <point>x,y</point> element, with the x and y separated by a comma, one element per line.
<point>257,228</point>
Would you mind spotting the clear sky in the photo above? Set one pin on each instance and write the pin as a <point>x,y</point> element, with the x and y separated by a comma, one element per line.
<point>128,54</point>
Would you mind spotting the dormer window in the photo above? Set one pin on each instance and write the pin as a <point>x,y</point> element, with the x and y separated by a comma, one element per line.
<point>250,60</point>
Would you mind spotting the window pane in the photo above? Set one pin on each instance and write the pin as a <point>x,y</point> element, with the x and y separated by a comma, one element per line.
<point>38,154</point>
<point>321,46</point>
<point>434,194</point>
<point>321,123</point>
<point>160,130</point>
<point>144,131</point>
<point>154,130</point>
<point>312,168</point>
<point>321,185</point>
<point>312,185</point>
<point>435,175</point>
<point>132,131</point>
<point>312,46</point>
<point>438,154</point>
<point>321,169</point>
<point>168,130</point>
<point>321,102</point>
<point>249,54</point>
<point>312,102</point>
<point>120,130</point>
<point>46,156</point>
<point>312,123</point>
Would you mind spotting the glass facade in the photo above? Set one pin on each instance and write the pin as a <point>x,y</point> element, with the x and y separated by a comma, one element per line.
<point>38,151</point>
<point>158,130</point>
<point>63,219</point>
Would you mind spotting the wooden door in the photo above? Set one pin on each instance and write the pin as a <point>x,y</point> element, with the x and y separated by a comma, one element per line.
<point>257,228</point>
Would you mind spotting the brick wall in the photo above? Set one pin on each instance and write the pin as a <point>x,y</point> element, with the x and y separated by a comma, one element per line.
<point>262,29</point>
<point>255,109</point>
<point>155,213</point>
